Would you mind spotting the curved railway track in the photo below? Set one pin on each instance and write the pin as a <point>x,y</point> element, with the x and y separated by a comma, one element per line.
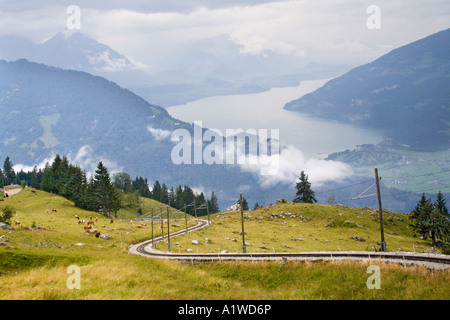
<point>434,261</point>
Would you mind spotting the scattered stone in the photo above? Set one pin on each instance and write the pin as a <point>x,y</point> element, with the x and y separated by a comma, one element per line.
<point>79,244</point>
<point>262,247</point>
<point>392,232</point>
<point>234,240</point>
<point>189,250</point>
<point>106,236</point>
<point>38,228</point>
<point>208,240</point>
<point>358,238</point>
<point>195,242</point>
<point>247,244</point>
<point>5,226</point>
<point>224,251</point>
<point>3,243</point>
<point>431,250</point>
<point>285,246</point>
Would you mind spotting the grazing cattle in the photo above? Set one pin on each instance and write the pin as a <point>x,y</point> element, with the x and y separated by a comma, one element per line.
<point>131,222</point>
<point>96,219</point>
<point>17,223</point>
<point>77,217</point>
<point>54,210</point>
<point>90,222</point>
<point>47,211</point>
<point>87,228</point>
<point>112,221</point>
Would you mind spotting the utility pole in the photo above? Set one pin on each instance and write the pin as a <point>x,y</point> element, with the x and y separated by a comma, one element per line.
<point>185,219</point>
<point>207,210</point>
<point>383,242</point>
<point>153,234</point>
<point>162,225</point>
<point>244,248</point>
<point>168,229</point>
<point>195,209</point>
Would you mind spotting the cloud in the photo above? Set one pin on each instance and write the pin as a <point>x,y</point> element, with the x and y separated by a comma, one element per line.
<point>159,134</point>
<point>291,162</point>
<point>324,31</point>
<point>88,161</point>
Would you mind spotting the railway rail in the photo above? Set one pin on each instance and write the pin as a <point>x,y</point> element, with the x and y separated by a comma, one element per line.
<point>433,261</point>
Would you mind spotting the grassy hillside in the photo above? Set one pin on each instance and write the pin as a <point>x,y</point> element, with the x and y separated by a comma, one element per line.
<point>305,227</point>
<point>33,264</point>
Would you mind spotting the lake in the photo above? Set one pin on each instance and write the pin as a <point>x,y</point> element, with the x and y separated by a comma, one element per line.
<point>314,137</point>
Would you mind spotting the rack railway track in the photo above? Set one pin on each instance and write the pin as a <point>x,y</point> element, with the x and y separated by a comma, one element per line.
<point>434,261</point>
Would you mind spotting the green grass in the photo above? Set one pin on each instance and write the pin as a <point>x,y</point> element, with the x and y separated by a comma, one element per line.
<point>304,227</point>
<point>36,261</point>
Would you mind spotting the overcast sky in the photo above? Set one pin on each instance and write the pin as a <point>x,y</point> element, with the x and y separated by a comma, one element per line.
<point>332,31</point>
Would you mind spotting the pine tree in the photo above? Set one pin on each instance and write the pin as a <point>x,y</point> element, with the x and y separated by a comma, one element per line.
<point>304,192</point>
<point>8,172</point>
<point>107,198</point>
<point>441,205</point>
<point>431,219</point>
<point>213,203</point>
<point>244,204</point>
<point>164,197</point>
<point>156,191</point>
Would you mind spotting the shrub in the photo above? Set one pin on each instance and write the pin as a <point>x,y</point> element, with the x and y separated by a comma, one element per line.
<point>8,213</point>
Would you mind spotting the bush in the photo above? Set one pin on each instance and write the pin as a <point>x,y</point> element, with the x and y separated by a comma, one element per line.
<point>8,213</point>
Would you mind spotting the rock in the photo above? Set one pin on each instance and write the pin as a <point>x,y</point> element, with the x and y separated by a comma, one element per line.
<point>262,247</point>
<point>79,244</point>
<point>358,238</point>
<point>247,244</point>
<point>234,240</point>
<point>224,251</point>
<point>3,243</point>
<point>208,240</point>
<point>189,250</point>
<point>106,236</point>
<point>38,228</point>
<point>431,250</point>
<point>285,246</point>
<point>195,242</point>
<point>5,226</point>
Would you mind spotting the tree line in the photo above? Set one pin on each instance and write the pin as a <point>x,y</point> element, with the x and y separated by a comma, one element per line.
<point>103,192</point>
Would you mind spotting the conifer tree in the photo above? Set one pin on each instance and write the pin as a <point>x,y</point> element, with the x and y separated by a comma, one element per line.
<point>304,192</point>
<point>9,175</point>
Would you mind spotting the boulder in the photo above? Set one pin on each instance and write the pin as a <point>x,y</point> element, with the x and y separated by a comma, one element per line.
<point>5,226</point>
<point>106,236</point>
<point>195,242</point>
<point>432,250</point>
<point>358,238</point>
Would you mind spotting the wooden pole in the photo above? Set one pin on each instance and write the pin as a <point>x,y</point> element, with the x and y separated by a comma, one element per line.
<point>153,233</point>
<point>195,209</point>
<point>185,219</point>
<point>244,248</point>
<point>162,225</point>
<point>168,229</point>
<point>383,242</point>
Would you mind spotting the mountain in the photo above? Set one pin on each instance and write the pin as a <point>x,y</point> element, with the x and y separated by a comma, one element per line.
<point>73,50</point>
<point>404,94</point>
<point>193,70</point>
<point>48,111</point>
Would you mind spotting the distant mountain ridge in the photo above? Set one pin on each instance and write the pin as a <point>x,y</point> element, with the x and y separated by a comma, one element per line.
<point>47,111</point>
<point>405,94</point>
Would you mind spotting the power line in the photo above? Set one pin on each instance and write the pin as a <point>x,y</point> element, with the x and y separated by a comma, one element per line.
<point>352,185</point>
<point>420,175</point>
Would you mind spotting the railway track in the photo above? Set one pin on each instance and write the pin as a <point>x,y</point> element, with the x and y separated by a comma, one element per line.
<point>433,261</point>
